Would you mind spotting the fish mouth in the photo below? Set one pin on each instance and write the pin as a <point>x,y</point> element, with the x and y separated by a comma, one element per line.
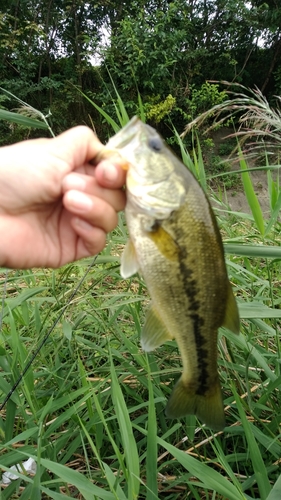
<point>125,135</point>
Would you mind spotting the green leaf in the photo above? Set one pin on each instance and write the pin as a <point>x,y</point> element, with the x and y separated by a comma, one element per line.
<point>53,494</point>
<point>263,251</point>
<point>71,476</point>
<point>209,478</point>
<point>10,419</point>
<point>241,342</point>
<point>275,493</point>
<point>251,195</point>
<point>67,330</point>
<point>21,297</point>
<point>254,310</point>
<point>151,452</point>
<point>120,109</point>
<point>25,435</point>
<point>275,214</point>
<point>255,454</point>
<point>22,120</point>
<point>141,108</point>
<point>128,439</point>
<point>108,118</point>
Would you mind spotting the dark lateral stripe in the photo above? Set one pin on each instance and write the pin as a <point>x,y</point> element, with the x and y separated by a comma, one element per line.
<point>190,289</point>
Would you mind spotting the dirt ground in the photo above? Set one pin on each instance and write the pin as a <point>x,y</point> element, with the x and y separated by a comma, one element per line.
<point>235,197</point>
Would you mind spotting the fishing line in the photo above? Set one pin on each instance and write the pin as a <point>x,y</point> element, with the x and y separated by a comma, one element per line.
<point>45,338</point>
<point>3,298</point>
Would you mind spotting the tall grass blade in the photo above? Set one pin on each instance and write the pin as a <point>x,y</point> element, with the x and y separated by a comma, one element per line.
<point>209,478</point>
<point>22,120</point>
<point>120,109</point>
<point>274,215</point>
<point>201,167</point>
<point>112,480</point>
<point>53,494</point>
<point>106,471</point>
<point>10,419</point>
<point>107,117</point>
<point>21,437</point>
<point>186,158</point>
<point>111,437</point>
<point>275,493</point>
<point>151,454</point>
<point>273,187</point>
<point>7,493</point>
<point>128,439</point>
<point>25,118</point>
<point>141,109</point>
<point>257,310</point>
<point>262,251</point>
<point>20,298</point>
<point>250,194</point>
<point>35,491</point>
<point>84,485</point>
<point>255,454</point>
<point>241,342</point>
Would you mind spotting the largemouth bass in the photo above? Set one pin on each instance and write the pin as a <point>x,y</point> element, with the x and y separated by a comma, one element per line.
<point>176,245</point>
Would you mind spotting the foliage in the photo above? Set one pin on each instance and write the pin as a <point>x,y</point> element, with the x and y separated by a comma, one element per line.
<point>256,119</point>
<point>203,99</point>
<point>157,111</point>
<point>159,47</point>
<point>90,410</point>
<point>227,146</point>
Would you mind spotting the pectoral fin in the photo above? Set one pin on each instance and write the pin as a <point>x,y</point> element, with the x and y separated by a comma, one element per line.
<point>154,332</point>
<point>129,263</point>
<point>231,319</point>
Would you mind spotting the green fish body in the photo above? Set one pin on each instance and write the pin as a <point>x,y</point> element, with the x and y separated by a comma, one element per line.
<point>176,245</point>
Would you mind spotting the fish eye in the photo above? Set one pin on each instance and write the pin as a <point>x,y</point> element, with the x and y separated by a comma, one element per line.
<point>155,143</point>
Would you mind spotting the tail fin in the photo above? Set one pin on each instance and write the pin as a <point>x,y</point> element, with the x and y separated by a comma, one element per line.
<point>208,408</point>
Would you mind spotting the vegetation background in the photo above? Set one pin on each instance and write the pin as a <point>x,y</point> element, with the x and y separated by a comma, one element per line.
<point>50,51</point>
<point>90,410</point>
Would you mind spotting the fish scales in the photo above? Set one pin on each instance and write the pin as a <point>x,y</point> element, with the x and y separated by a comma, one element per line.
<point>181,285</point>
<point>176,245</point>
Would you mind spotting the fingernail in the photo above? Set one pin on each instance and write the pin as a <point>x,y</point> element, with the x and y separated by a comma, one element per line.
<point>74,181</point>
<point>79,201</point>
<point>82,224</point>
<point>110,172</point>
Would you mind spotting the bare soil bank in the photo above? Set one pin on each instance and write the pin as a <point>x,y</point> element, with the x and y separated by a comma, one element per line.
<point>235,198</point>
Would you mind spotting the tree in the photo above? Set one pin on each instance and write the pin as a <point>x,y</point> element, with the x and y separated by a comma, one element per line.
<point>165,49</point>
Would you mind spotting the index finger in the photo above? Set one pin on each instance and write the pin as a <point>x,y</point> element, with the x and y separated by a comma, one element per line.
<point>111,173</point>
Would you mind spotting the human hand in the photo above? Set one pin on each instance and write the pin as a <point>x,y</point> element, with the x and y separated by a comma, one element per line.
<point>55,207</point>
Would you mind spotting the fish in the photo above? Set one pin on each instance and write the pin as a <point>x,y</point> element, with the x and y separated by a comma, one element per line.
<point>175,244</point>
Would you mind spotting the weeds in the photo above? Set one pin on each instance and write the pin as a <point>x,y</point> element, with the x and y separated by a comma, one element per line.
<point>90,410</point>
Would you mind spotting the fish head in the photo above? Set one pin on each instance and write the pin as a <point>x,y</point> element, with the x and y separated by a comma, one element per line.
<point>154,181</point>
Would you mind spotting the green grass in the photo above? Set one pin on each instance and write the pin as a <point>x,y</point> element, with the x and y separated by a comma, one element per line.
<point>90,410</point>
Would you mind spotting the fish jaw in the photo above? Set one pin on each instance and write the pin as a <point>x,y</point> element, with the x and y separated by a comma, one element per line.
<point>156,189</point>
